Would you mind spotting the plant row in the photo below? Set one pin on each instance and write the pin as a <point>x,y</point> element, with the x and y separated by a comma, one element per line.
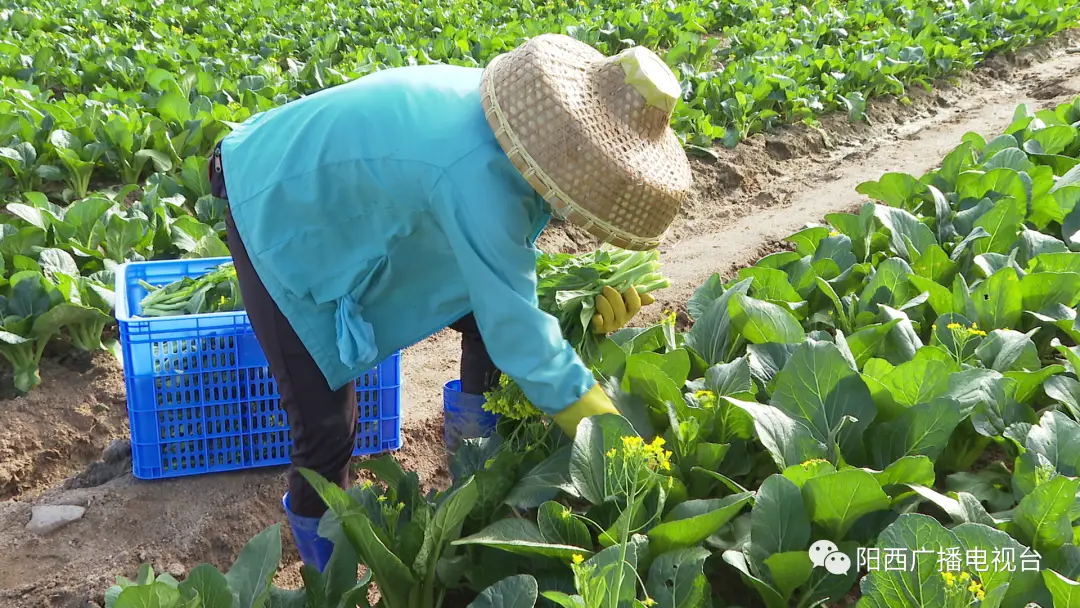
<point>898,392</point>
<point>57,262</point>
<point>110,91</point>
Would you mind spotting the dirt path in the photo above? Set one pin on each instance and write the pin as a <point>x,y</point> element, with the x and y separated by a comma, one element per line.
<point>748,199</point>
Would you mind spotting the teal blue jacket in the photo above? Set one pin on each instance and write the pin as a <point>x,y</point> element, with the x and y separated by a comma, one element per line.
<point>380,211</point>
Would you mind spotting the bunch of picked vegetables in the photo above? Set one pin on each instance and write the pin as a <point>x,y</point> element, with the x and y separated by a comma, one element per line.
<point>216,291</point>
<point>567,287</point>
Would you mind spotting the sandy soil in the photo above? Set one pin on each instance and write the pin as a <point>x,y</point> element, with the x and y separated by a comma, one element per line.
<point>747,200</point>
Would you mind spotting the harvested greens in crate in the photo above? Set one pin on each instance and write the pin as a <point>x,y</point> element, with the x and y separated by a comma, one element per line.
<point>215,291</point>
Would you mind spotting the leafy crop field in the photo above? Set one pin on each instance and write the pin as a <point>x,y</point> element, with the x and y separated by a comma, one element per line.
<point>132,96</point>
<point>882,411</point>
<point>895,396</point>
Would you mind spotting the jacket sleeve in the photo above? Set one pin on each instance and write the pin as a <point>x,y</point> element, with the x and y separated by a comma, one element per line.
<point>487,212</point>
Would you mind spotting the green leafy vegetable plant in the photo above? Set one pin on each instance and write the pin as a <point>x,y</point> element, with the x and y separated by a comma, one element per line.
<point>398,533</point>
<point>247,584</point>
<point>567,287</point>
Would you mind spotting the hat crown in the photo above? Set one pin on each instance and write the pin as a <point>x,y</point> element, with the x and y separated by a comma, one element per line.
<point>650,77</point>
<point>639,90</point>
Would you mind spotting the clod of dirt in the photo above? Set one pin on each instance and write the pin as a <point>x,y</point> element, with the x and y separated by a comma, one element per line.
<point>1049,90</point>
<point>779,150</point>
<point>97,473</point>
<point>77,361</point>
<point>49,518</point>
<point>176,570</point>
<point>728,175</point>
<point>116,461</point>
<point>764,199</point>
<point>117,451</point>
<point>682,318</point>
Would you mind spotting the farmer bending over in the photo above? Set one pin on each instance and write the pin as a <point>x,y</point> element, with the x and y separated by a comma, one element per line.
<point>369,216</point>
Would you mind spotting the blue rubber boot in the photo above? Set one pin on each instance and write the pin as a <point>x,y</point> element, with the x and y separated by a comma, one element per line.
<point>464,416</point>
<point>314,549</point>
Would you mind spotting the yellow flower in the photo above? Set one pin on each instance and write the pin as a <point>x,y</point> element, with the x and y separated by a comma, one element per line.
<point>964,576</point>
<point>508,401</point>
<point>565,513</point>
<point>933,327</point>
<point>649,602</point>
<point>950,578</point>
<point>382,498</point>
<point>959,330</point>
<point>976,590</point>
<point>660,457</point>
<point>578,558</point>
<point>652,455</point>
<point>707,399</point>
<point>834,233</point>
<point>665,462</point>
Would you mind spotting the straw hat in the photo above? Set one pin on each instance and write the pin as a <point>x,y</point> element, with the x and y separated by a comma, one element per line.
<point>592,135</point>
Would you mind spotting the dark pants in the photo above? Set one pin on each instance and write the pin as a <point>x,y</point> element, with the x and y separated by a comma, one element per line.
<point>323,421</point>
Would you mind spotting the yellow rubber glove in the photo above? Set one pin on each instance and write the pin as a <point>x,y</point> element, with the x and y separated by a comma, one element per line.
<point>592,403</point>
<point>614,311</point>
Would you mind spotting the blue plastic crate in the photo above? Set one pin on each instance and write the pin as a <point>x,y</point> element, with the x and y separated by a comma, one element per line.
<point>200,396</point>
